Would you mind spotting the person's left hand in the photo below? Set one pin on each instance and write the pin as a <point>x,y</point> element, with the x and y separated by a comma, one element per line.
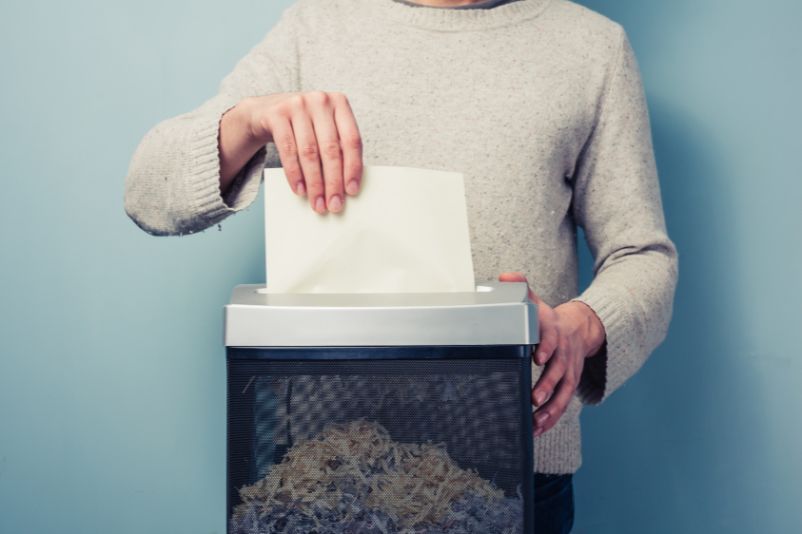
<point>569,333</point>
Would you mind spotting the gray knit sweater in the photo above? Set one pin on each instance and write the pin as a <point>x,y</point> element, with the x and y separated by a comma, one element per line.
<point>538,102</point>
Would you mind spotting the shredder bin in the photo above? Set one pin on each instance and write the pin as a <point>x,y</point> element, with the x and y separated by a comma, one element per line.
<point>382,413</point>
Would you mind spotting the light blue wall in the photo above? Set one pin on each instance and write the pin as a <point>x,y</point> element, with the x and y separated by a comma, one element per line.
<point>111,364</point>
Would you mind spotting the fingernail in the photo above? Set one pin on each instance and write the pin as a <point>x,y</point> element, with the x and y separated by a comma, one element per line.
<point>300,189</point>
<point>352,188</point>
<point>538,429</point>
<point>541,418</point>
<point>541,357</point>
<point>540,396</point>
<point>335,204</point>
<point>320,205</point>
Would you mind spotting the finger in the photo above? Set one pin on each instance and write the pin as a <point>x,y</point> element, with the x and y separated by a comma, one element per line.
<point>518,277</point>
<point>284,139</point>
<point>549,332</point>
<point>309,157</point>
<point>549,338</point>
<point>547,416</point>
<point>511,277</point>
<point>552,374</point>
<point>330,153</point>
<point>350,143</point>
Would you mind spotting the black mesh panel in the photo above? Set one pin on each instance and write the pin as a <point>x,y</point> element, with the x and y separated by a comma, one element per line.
<point>305,410</point>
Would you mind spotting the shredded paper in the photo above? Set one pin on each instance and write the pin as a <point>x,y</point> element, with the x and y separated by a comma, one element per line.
<point>353,478</point>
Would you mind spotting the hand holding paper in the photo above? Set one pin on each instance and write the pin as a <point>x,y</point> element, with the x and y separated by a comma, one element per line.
<point>406,232</point>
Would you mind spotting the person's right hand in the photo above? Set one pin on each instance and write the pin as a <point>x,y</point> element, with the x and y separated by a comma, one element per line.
<point>318,142</point>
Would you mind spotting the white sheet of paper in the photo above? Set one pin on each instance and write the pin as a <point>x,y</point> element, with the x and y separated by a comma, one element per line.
<point>405,232</point>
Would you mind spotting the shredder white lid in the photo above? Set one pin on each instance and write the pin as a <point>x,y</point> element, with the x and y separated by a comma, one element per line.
<point>497,313</point>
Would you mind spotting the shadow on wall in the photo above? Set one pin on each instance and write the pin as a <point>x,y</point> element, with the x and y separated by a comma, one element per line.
<point>672,451</point>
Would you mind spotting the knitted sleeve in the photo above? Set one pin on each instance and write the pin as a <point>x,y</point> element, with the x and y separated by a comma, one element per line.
<point>173,181</point>
<point>617,203</point>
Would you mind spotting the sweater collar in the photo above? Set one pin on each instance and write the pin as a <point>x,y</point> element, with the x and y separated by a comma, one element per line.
<point>448,19</point>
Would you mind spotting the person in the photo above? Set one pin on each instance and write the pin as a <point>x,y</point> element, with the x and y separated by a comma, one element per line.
<point>539,103</point>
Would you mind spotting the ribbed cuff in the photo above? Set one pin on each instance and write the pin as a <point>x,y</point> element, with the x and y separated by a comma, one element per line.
<point>245,186</point>
<point>203,186</point>
<point>603,373</point>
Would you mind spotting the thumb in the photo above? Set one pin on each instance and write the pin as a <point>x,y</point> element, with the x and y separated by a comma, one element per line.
<point>511,277</point>
<point>518,277</point>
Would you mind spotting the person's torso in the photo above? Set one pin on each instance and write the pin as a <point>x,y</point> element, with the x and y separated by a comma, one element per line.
<point>510,107</point>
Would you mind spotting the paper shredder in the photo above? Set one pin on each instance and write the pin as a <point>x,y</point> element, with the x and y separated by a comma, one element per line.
<point>380,413</point>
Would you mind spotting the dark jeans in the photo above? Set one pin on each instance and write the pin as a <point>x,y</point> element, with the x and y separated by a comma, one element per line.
<point>554,504</point>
